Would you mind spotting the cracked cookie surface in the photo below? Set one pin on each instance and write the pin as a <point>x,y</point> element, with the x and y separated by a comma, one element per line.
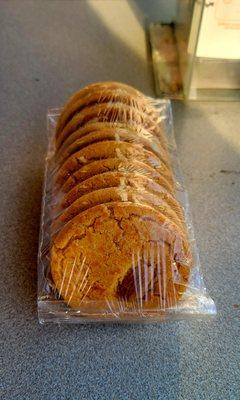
<point>116,95</point>
<point>125,134</point>
<point>110,149</point>
<point>119,180</point>
<point>89,90</point>
<point>161,202</point>
<point>106,112</point>
<point>94,252</point>
<point>115,165</point>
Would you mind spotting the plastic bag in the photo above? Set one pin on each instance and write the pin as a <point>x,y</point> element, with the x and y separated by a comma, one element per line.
<point>116,237</point>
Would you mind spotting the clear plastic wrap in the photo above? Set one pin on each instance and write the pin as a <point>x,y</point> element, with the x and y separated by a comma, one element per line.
<point>116,237</point>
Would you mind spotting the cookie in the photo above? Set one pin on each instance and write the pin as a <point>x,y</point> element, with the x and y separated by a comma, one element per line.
<point>89,90</point>
<point>117,95</point>
<point>105,112</point>
<point>155,285</point>
<point>95,251</point>
<point>114,165</point>
<point>164,204</point>
<point>83,131</point>
<point>108,149</point>
<point>119,180</point>
<point>90,127</point>
<point>116,134</point>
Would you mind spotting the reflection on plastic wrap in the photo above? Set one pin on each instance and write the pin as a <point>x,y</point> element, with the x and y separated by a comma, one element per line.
<point>116,240</point>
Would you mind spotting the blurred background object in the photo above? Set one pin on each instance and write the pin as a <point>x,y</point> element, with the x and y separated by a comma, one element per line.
<point>204,43</point>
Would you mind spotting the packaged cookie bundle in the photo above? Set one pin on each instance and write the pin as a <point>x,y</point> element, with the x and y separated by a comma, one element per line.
<point>116,241</point>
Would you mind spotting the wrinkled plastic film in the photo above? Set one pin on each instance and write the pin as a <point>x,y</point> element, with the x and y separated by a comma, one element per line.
<point>116,238</point>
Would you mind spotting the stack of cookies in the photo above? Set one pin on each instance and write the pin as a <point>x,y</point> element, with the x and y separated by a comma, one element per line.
<point>119,240</point>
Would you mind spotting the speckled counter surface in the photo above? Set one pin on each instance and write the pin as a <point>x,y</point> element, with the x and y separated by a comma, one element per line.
<point>48,50</point>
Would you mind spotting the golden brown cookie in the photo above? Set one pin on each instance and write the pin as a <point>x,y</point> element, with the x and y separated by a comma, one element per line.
<point>114,165</point>
<point>119,180</point>
<point>92,88</point>
<point>116,112</point>
<point>163,203</point>
<point>93,254</point>
<point>90,127</point>
<point>108,149</point>
<point>116,134</point>
<point>84,130</point>
<point>155,285</point>
<point>105,96</point>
